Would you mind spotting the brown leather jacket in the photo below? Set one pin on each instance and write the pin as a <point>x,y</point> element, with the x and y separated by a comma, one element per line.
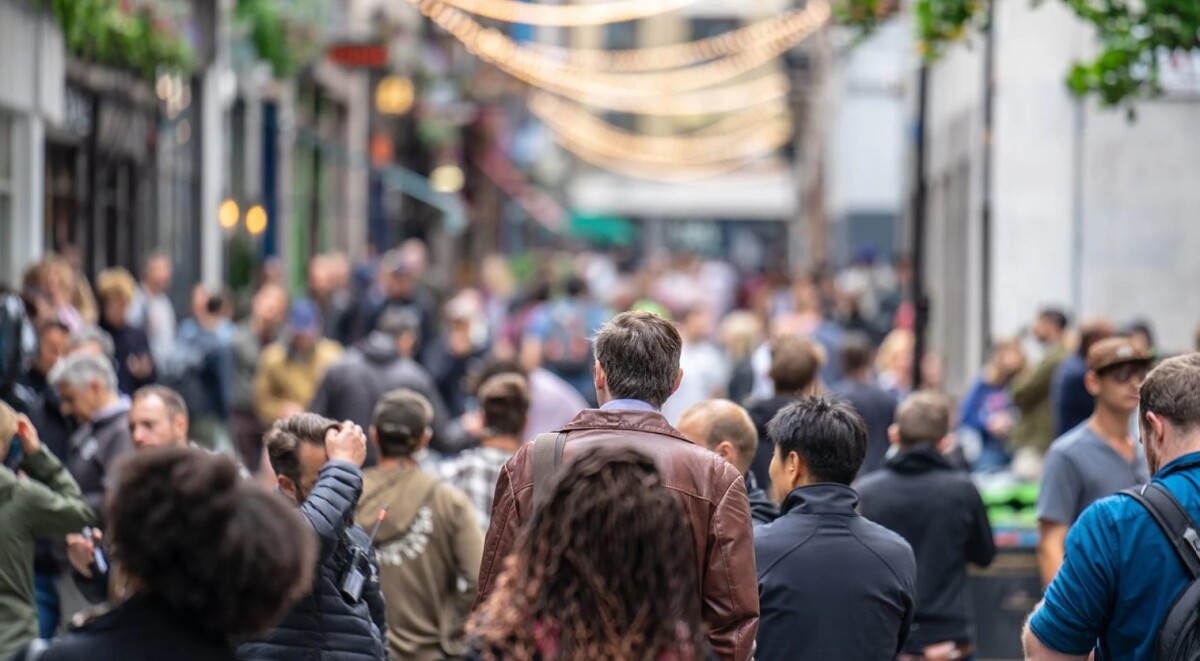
<point>714,495</point>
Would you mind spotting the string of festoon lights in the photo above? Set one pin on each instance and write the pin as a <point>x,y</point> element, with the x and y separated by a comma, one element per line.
<point>657,81</point>
<point>514,11</point>
<point>729,139</point>
<point>787,25</point>
<point>571,80</point>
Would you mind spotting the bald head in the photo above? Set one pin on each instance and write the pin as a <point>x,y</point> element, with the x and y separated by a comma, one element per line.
<point>723,427</point>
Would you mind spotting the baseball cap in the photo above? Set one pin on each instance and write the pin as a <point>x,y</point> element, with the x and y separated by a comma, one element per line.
<point>402,413</point>
<point>1114,351</point>
<point>304,317</point>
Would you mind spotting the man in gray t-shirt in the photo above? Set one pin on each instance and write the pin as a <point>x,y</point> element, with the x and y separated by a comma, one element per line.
<point>1099,457</point>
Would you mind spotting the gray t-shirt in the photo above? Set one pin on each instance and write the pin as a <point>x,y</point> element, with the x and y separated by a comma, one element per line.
<point>1082,468</point>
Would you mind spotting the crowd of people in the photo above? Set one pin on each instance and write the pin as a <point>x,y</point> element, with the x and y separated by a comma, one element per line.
<point>591,462</point>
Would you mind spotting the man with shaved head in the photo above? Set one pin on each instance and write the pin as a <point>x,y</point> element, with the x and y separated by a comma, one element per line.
<point>726,429</point>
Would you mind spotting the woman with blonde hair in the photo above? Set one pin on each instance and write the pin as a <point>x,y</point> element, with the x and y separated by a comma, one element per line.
<point>988,416</point>
<point>741,334</point>
<point>893,363</point>
<point>135,368</point>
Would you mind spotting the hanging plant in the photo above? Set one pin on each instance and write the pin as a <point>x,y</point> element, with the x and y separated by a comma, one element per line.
<point>129,38</point>
<point>287,34</point>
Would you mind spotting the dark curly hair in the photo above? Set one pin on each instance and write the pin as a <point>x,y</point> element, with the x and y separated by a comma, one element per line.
<point>228,555</point>
<point>605,570</point>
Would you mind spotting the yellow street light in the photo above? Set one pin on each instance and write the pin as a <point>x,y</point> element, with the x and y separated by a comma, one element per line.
<point>228,214</point>
<point>394,95</point>
<point>447,179</point>
<point>256,220</point>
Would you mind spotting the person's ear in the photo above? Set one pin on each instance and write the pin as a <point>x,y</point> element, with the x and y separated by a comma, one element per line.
<point>1157,426</point>
<point>1091,381</point>
<point>599,378</point>
<point>425,438</point>
<point>678,380</point>
<point>894,434</point>
<point>287,488</point>
<point>727,452</point>
<point>795,469</point>
<point>181,425</point>
<point>946,445</point>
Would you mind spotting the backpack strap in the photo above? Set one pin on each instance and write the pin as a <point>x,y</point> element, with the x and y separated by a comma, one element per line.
<point>547,456</point>
<point>1174,521</point>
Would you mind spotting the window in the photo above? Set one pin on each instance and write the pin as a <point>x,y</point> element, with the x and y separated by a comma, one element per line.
<point>6,186</point>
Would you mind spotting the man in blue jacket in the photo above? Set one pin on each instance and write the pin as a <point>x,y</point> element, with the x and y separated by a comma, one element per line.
<point>318,465</point>
<point>831,584</point>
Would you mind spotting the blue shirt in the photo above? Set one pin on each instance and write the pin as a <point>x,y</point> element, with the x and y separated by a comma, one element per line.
<point>628,405</point>
<point>1120,575</point>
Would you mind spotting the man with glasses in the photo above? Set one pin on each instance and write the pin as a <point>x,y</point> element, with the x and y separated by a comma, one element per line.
<point>1099,457</point>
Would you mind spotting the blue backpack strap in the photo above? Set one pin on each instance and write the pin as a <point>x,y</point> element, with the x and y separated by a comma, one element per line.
<point>1175,522</point>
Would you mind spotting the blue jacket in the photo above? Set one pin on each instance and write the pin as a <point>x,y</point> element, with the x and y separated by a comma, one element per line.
<point>831,584</point>
<point>325,625</point>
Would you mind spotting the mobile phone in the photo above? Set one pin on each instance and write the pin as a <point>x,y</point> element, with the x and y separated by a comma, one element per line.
<point>98,556</point>
<point>16,455</point>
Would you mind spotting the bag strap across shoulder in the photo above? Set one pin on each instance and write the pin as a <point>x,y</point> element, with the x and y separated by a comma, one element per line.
<point>547,456</point>
<point>1174,521</point>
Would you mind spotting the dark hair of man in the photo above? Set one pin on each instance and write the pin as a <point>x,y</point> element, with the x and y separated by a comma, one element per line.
<point>504,401</point>
<point>826,433</point>
<point>608,516</point>
<point>639,352</point>
<point>1056,317</point>
<point>496,367</point>
<point>284,437</point>
<point>44,327</point>
<point>795,361</point>
<point>225,554</point>
<point>171,400</point>
<point>576,286</point>
<point>1091,333</point>
<point>400,419</point>
<point>1172,391</point>
<point>856,353</point>
<point>923,417</point>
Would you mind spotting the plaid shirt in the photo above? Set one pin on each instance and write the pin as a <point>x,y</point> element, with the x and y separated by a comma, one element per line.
<point>476,471</point>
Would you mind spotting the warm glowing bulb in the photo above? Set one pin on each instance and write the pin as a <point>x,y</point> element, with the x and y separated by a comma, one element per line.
<point>228,214</point>
<point>256,220</point>
<point>447,179</point>
<point>394,95</point>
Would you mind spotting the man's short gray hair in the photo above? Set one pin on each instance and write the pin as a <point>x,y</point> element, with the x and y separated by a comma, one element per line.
<point>86,334</point>
<point>81,370</point>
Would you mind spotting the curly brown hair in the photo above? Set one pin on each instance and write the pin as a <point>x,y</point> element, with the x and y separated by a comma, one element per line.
<point>228,555</point>
<point>606,570</point>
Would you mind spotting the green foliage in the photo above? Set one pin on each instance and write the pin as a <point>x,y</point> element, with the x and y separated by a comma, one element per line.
<point>1132,35</point>
<point>100,31</point>
<point>287,34</point>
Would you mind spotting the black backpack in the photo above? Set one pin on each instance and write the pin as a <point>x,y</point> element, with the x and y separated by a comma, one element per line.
<point>1179,636</point>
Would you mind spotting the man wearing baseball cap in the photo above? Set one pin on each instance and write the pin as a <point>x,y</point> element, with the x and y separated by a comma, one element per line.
<point>1099,457</point>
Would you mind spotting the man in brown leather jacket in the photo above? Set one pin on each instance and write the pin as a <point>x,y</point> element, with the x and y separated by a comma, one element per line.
<point>637,369</point>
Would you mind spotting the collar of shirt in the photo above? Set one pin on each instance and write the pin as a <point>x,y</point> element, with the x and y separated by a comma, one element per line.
<point>1184,462</point>
<point>628,405</point>
<point>822,498</point>
<point>119,405</point>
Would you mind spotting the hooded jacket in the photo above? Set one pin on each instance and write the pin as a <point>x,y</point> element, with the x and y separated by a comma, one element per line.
<point>325,625</point>
<point>763,510</point>
<point>428,549</point>
<point>47,504</point>
<point>373,367</point>
<point>915,487</point>
<point>714,499</point>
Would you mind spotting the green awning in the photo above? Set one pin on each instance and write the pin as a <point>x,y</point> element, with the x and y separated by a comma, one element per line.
<point>604,228</point>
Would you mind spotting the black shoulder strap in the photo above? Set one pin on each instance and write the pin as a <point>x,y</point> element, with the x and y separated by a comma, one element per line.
<point>547,455</point>
<point>1174,521</point>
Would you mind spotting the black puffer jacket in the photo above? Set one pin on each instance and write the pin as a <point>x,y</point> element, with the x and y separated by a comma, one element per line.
<point>325,625</point>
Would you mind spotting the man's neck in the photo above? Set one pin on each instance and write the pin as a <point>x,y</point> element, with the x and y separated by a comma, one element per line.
<point>397,462</point>
<point>506,443</point>
<point>1111,425</point>
<point>1180,448</point>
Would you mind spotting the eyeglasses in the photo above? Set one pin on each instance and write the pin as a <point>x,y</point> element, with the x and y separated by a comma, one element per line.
<point>1126,372</point>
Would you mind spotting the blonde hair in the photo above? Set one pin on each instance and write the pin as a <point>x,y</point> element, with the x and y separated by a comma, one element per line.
<point>742,332</point>
<point>899,341</point>
<point>115,282</point>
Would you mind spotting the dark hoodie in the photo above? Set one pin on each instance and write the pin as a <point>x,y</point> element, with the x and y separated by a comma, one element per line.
<point>353,384</point>
<point>937,509</point>
<point>428,549</point>
<point>762,509</point>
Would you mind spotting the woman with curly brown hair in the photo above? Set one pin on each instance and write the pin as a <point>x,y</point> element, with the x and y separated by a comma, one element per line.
<point>201,560</point>
<point>605,571</point>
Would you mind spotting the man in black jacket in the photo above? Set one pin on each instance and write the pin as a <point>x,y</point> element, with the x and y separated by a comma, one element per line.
<point>379,364</point>
<point>317,462</point>
<point>726,429</point>
<point>831,584</point>
<point>914,487</point>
